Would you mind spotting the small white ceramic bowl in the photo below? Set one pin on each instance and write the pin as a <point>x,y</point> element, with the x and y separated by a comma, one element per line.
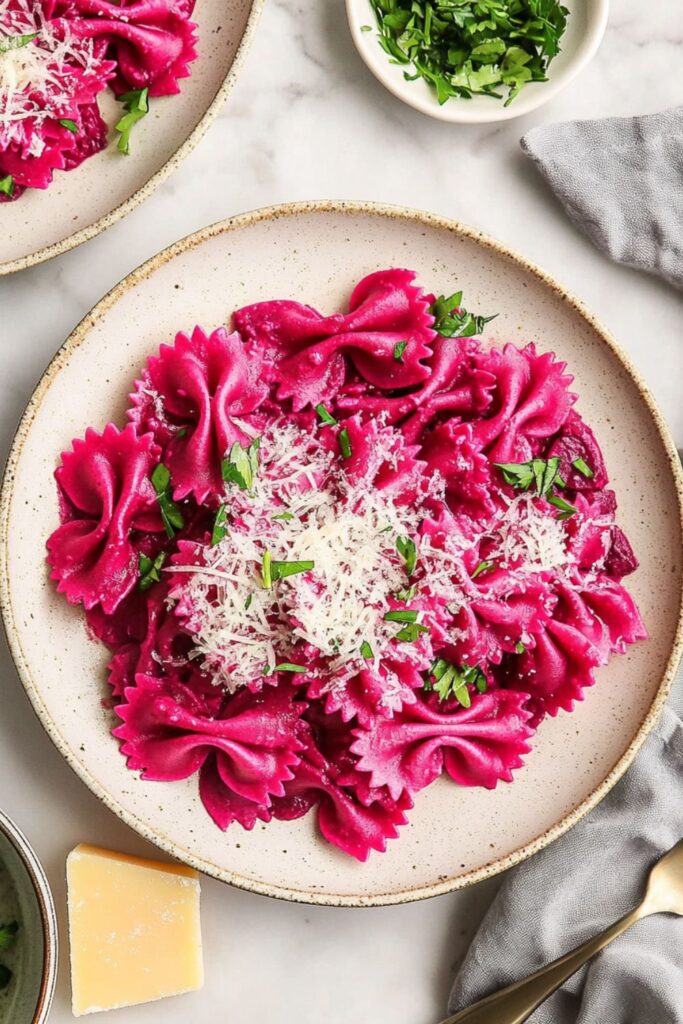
<point>585,28</point>
<point>25,895</point>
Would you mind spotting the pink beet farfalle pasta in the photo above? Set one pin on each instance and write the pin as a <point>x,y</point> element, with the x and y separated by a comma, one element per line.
<point>455,385</point>
<point>338,555</point>
<point>451,450</point>
<point>355,825</point>
<point>477,746</point>
<point>157,644</point>
<point>530,400</point>
<point>152,42</point>
<point>377,690</point>
<point>191,397</point>
<point>106,495</point>
<point>587,627</point>
<point>311,352</point>
<point>168,732</point>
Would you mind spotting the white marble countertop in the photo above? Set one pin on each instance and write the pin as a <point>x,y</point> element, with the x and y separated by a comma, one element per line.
<point>306,120</point>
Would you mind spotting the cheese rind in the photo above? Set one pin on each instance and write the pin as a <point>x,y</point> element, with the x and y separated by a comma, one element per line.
<point>134,929</point>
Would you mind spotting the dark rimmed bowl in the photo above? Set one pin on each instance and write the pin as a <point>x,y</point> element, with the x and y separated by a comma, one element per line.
<point>28,998</point>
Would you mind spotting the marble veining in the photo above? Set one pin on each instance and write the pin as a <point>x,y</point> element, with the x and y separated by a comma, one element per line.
<point>307,120</point>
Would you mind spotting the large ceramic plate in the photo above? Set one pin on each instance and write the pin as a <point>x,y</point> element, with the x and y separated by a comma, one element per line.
<point>81,203</point>
<point>316,253</point>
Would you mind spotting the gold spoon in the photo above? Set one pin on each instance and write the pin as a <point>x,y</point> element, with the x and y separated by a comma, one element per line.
<point>516,1003</point>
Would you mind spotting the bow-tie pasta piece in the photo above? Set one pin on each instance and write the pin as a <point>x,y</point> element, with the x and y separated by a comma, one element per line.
<point>106,495</point>
<point>385,338</point>
<point>477,746</point>
<point>192,397</point>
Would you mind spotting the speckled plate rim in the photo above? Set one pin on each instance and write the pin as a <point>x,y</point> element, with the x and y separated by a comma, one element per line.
<point>80,334</point>
<point>48,917</point>
<point>48,252</point>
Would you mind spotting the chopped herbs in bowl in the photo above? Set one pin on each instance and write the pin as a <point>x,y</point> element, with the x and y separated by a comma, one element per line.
<point>462,47</point>
<point>445,56</point>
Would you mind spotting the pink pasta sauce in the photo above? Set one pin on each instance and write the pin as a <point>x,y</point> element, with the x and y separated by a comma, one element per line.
<point>336,557</point>
<point>57,56</point>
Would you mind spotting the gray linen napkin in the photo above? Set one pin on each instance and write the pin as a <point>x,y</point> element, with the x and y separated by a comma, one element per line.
<point>620,180</point>
<point>582,883</point>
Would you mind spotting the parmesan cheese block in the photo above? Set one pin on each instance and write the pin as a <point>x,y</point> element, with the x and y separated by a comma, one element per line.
<point>134,929</point>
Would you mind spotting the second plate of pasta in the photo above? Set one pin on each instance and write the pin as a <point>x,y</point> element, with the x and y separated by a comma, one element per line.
<point>99,102</point>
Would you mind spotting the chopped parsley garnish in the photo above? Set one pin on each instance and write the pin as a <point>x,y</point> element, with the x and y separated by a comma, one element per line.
<point>150,570</point>
<point>266,574</point>
<point>546,476</point>
<point>241,465</point>
<point>449,680</point>
<point>410,632</point>
<point>220,525</point>
<point>70,125</point>
<point>8,935</point>
<point>8,43</point>
<point>285,666</point>
<point>408,552</point>
<point>247,603</point>
<point>452,321</point>
<point>271,570</point>
<point>366,28</point>
<point>542,473</point>
<point>136,105</point>
<point>7,185</point>
<point>284,516</point>
<point>5,976</point>
<point>171,516</point>
<point>406,593</point>
<point>407,615</point>
<point>399,349</point>
<point>482,567</point>
<point>280,570</point>
<point>566,510</point>
<point>345,443</point>
<point>466,47</point>
<point>519,647</point>
<point>366,651</point>
<point>325,416</point>
<point>180,433</point>
<point>583,468</point>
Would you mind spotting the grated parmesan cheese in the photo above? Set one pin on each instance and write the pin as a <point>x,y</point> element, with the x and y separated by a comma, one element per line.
<point>528,539</point>
<point>349,531</point>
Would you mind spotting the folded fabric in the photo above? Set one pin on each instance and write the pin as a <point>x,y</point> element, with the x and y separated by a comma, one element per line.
<point>582,883</point>
<point>620,180</point>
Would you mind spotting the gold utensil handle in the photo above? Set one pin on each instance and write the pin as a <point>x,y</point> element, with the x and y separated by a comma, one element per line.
<point>516,1003</point>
